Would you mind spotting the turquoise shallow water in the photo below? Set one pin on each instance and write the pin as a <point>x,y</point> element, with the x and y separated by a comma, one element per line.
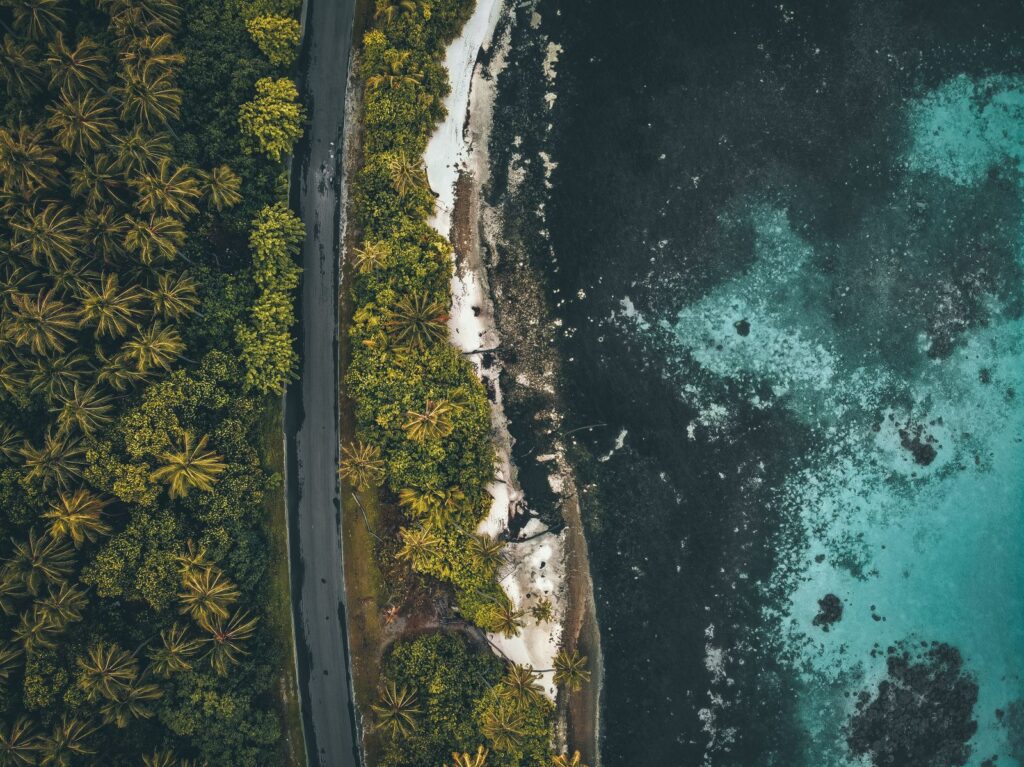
<point>912,511</point>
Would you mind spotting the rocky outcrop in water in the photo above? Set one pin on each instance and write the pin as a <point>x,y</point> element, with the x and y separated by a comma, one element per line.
<point>921,714</point>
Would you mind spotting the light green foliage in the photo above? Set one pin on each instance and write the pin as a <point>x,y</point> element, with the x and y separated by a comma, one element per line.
<point>277,36</point>
<point>272,122</point>
<point>252,8</point>
<point>266,342</point>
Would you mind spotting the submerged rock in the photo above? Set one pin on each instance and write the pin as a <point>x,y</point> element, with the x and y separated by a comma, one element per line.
<point>922,713</point>
<point>830,610</point>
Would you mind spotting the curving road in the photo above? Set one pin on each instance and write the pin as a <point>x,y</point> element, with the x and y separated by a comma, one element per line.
<point>311,405</point>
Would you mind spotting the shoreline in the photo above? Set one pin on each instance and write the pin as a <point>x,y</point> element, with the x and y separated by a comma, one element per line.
<point>551,563</point>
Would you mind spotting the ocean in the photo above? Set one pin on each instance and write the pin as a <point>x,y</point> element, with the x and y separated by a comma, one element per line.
<point>780,247</point>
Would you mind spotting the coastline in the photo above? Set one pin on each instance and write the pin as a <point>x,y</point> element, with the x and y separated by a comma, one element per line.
<point>550,562</point>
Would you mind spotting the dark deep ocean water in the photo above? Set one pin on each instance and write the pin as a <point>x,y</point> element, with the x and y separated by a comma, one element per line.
<point>784,243</point>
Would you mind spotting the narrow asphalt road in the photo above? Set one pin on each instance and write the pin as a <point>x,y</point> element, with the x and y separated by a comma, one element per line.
<point>311,408</point>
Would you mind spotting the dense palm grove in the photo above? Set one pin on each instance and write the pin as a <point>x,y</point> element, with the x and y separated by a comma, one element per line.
<point>424,431</point>
<point>145,286</point>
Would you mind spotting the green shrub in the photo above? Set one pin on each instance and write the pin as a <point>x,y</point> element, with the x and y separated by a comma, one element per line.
<point>273,121</point>
<point>266,342</point>
<point>277,37</point>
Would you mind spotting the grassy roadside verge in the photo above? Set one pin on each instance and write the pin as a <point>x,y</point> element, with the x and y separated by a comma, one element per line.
<point>279,605</point>
<point>364,584</point>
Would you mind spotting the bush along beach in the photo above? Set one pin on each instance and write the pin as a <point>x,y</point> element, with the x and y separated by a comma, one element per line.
<point>423,428</point>
<point>146,281</point>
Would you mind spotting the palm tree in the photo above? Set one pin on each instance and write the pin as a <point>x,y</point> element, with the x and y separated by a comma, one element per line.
<point>406,174</point>
<point>397,710</point>
<point>226,638</point>
<point>52,235</point>
<point>370,257</point>
<point>142,18</point>
<point>81,123</point>
<point>77,516</point>
<point>39,19</point>
<point>564,760</point>
<point>167,759</point>
<point>104,229</point>
<point>418,543</point>
<point>86,409</point>
<point>56,377</point>
<point>117,371</point>
<point>504,726</point>
<point>154,347</point>
<point>506,619</point>
<point>159,759</point>
<point>479,759</point>
<point>151,52</point>
<point>111,310</point>
<point>106,670</point>
<point>193,560</point>
<point>36,630</point>
<point>18,744</point>
<point>13,381</point>
<point>97,181</point>
<point>169,190</point>
<point>141,151</point>
<point>19,67</point>
<point>395,74</point>
<point>10,660</point>
<point>155,238</point>
<point>10,441</point>
<point>64,742</point>
<point>58,462</point>
<point>64,605</point>
<point>27,162</point>
<point>489,552</point>
<point>438,506</point>
<point>175,651</point>
<point>44,324</point>
<point>78,68</point>
<point>543,611</point>
<point>130,702</point>
<point>208,593</point>
<point>40,560</point>
<point>223,187</point>
<point>519,685</point>
<point>174,296</point>
<point>415,321</point>
<point>11,590</point>
<point>193,466</point>
<point>571,669</point>
<point>389,9</point>
<point>148,97</point>
<point>362,466</point>
<point>435,422</point>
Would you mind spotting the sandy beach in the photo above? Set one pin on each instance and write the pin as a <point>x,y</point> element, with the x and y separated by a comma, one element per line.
<point>540,563</point>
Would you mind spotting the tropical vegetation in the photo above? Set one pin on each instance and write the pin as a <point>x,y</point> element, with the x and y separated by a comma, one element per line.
<point>423,429</point>
<point>146,279</point>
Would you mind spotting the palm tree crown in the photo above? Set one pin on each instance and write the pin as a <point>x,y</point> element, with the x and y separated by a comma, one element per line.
<point>77,516</point>
<point>193,466</point>
<point>571,669</point>
<point>396,711</point>
<point>416,321</point>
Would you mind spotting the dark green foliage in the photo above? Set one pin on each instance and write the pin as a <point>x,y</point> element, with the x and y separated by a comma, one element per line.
<point>124,272</point>
<point>457,685</point>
